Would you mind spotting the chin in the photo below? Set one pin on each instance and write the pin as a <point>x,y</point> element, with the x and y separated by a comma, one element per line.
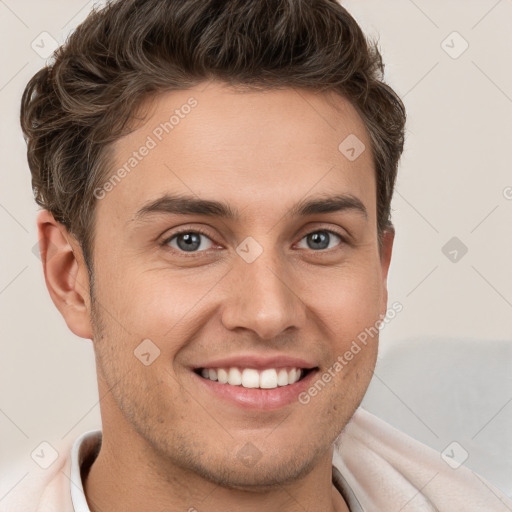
<point>264,474</point>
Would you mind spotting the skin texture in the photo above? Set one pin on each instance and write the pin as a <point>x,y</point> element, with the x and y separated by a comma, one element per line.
<point>169,444</point>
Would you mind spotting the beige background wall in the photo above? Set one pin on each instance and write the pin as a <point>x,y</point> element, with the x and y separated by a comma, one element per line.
<point>455,181</point>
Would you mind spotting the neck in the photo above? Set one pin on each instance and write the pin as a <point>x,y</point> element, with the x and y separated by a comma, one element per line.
<point>134,479</point>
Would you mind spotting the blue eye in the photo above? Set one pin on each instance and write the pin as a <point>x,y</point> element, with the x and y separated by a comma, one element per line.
<point>187,241</point>
<point>320,240</point>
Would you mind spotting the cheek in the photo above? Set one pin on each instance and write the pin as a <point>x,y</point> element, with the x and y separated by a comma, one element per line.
<point>157,306</point>
<point>347,301</point>
<point>162,304</point>
<point>146,302</point>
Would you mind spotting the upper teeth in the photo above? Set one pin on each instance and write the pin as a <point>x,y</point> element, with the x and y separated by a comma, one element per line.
<point>252,378</point>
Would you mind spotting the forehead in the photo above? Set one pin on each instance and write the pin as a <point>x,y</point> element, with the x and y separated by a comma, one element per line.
<point>250,147</point>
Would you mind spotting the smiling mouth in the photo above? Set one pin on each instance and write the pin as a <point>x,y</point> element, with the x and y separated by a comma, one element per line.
<point>269,378</point>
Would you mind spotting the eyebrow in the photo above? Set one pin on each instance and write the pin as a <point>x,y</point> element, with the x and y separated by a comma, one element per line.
<point>190,205</point>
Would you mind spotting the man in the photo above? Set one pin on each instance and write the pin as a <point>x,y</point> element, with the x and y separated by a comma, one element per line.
<point>216,180</point>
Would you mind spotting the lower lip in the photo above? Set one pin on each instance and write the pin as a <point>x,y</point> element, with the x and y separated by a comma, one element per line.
<point>257,398</point>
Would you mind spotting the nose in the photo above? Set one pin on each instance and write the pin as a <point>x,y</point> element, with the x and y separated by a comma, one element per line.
<point>261,298</point>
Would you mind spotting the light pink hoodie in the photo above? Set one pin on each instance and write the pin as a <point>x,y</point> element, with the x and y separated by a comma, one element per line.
<point>376,467</point>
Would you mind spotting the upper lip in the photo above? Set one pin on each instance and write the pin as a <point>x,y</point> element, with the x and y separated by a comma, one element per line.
<point>258,362</point>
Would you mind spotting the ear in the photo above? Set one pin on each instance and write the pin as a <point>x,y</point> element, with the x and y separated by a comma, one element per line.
<point>388,238</point>
<point>65,274</point>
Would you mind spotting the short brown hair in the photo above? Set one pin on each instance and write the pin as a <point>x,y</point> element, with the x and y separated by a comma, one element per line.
<point>75,108</point>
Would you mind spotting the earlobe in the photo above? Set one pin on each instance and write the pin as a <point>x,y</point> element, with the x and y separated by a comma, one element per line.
<point>65,274</point>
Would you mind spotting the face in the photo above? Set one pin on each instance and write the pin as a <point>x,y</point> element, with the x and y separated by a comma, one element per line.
<point>254,282</point>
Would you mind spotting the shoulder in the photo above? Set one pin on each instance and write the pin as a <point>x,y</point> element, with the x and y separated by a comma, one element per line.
<point>44,483</point>
<point>27,485</point>
<point>389,470</point>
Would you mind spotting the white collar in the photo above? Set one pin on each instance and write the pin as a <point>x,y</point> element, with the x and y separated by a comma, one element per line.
<point>84,450</point>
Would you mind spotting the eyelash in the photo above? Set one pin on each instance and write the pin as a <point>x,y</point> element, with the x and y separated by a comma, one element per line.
<point>165,242</point>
